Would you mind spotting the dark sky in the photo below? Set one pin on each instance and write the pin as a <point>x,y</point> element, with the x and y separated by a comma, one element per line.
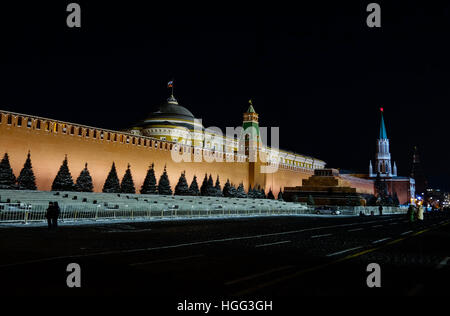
<point>319,73</point>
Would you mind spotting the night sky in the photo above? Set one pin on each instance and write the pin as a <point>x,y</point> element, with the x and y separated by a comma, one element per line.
<point>319,73</point>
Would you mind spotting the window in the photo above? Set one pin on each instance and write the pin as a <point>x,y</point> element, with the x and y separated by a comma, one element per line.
<point>101,135</point>
<point>80,131</point>
<point>38,124</point>
<point>19,121</point>
<point>72,130</point>
<point>29,122</point>
<point>128,139</point>
<point>64,128</point>
<point>134,141</point>
<point>55,127</point>
<point>47,126</point>
<point>108,136</point>
<point>9,119</point>
<point>87,133</point>
<point>95,134</point>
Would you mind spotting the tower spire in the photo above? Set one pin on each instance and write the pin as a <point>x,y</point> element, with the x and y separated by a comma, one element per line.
<point>383,134</point>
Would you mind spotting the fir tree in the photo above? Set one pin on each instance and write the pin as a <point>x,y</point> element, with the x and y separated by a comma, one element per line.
<point>84,181</point>
<point>112,184</point>
<point>127,184</point>
<point>26,179</point>
<point>233,191</point>
<point>227,189</point>
<point>204,187</point>
<point>395,199</point>
<point>217,188</point>
<point>270,195</point>
<point>7,177</point>
<point>149,186</point>
<point>193,188</point>
<point>63,180</point>
<point>164,184</point>
<point>251,194</point>
<point>182,187</point>
<point>280,196</point>
<point>260,193</point>
<point>207,188</point>
<point>240,192</point>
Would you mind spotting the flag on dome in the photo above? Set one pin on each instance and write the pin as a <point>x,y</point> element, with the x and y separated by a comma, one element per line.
<point>170,84</point>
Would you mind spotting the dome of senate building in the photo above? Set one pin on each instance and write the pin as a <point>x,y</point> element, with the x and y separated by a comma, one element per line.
<point>170,121</point>
<point>171,109</point>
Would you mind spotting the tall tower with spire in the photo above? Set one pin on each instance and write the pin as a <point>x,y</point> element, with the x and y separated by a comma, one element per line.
<point>250,126</point>
<point>383,164</point>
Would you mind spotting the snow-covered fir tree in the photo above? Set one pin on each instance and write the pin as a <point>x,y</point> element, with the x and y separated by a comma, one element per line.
<point>227,189</point>
<point>193,188</point>
<point>26,179</point>
<point>207,188</point>
<point>112,184</point>
<point>127,184</point>
<point>63,180</point>
<point>7,177</point>
<point>280,196</point>
<point>270,195</point>
<point>84,181</point>
<point>240,192</point>
<point>164,184</point>
<point>182,187</point>
<point>217,188</point>
<point>149,186</point>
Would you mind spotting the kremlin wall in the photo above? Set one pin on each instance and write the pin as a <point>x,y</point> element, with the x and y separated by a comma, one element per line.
<point>49,140</point>
<point>173,129</point>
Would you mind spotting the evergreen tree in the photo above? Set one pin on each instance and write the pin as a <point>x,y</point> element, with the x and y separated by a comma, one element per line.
<point>396,201</point>
<point>193,188</point>
<point>63,180</point>
<point>149,186</point>
<point>164,184</point>
<point>203,188</point>
<point>84,181</point>
<point>251,194</point>
<point>280,196</point>
<point>112,184</point>
<point>207,188</point>
<point>260,193</point>
<point>7,177</point>
<point>270,195</point>
<point>233,191</point>
<point>217,188</point>
<point>182,187</point>
<point>227,189</point>
<point>127,184</point>
<point>240,192</point>
<point>26,179</point>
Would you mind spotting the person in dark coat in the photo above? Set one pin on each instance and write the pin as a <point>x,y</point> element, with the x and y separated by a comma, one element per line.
<point>380,209</point>
<point>49,214</point>
<point>56,213</point>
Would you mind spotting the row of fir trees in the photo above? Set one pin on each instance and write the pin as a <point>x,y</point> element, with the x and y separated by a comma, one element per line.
<point>64,182</point>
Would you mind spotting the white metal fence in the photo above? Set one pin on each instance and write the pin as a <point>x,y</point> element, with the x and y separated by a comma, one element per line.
<point>80,213</point>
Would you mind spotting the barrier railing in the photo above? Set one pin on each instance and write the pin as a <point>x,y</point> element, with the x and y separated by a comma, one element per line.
<point>71,213</point>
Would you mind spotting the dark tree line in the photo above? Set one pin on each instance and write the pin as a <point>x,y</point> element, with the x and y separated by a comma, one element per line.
<point>63,181</point>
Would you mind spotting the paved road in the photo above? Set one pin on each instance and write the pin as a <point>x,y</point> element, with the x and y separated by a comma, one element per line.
<point>261,257</point>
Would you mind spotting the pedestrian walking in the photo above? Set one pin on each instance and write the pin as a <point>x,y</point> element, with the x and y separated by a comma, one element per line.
<point>49,214</point>
<point>420,213</point>
<point>380,209</point>
<point>56,213</point>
